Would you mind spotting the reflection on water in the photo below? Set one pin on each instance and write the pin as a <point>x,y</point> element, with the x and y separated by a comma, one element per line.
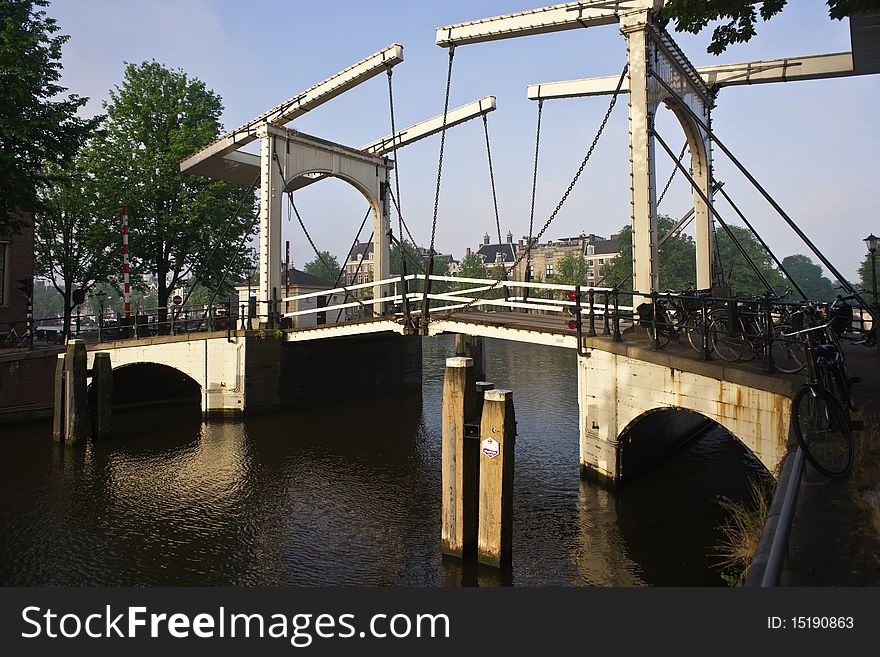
<point>349,494</point>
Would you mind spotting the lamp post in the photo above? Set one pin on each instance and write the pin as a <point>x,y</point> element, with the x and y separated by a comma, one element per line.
<point>873,241</point>
<point>250,270</point>
<point>101,296</point>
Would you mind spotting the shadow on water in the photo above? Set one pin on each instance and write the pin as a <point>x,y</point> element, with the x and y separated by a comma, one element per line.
<point>349,493</point>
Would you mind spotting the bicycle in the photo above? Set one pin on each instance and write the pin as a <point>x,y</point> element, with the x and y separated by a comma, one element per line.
<point>744,336</point>
<point>820,422</point>
<point>15,340</point>
<point>677,315</point>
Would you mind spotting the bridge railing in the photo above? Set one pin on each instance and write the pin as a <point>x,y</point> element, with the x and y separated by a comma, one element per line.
<point>44,332</point>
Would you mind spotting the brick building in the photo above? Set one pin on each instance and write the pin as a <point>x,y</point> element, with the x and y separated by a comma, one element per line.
<point>16,265</point>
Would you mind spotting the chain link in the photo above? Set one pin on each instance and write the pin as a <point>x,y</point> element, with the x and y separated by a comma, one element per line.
<point>672,175</point>
<point>565,196</point>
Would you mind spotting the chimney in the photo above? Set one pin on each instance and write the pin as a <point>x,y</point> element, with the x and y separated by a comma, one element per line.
<point>486,239</point>
<point>509,237</point>
<point>467,252</point>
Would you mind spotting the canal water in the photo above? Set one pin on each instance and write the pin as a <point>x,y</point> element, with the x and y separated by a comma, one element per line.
<point>349,493</point>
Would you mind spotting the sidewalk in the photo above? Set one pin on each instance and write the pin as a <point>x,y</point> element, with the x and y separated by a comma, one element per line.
<point>832,543</point>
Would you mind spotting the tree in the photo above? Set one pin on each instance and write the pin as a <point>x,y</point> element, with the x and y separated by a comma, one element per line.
<point>677,260</point>
<point>736,272</point>
<point>325,267</point>
<point>571,270</point>
<point>156,118</point>
<point>415,263</point>
<point>73,248</point>
<point>809,277</point>
<point>472,266</point>
<point>693,15</point>
<point>866,275</point>
<point>38,125</point>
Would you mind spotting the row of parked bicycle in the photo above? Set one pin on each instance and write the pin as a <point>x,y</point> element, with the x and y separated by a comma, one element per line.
<point>799,335</point>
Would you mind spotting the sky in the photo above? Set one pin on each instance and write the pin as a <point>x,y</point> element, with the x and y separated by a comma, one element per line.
<point>813,144</point>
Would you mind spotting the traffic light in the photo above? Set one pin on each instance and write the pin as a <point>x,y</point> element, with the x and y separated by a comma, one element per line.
<point>575,322</point>
<point>26,285</point>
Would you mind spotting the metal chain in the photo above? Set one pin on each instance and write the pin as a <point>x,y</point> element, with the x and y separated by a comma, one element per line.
<point>674,171</point>
<point>403,286</point>
<point>535,170</point>
<point>406,228</point>
<point>321,259</point>
<point>437,191</point>
<point>565,196</point>
<point>492,178</point>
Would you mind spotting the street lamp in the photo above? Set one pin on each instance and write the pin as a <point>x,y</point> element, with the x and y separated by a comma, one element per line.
<point>101,296</point>
<point>250,270</point>
<point>873,241</point>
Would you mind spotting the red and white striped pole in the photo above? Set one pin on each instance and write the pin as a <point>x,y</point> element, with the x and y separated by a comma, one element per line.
<point>125,281</point>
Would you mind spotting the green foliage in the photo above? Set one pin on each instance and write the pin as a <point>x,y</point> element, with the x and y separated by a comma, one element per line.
<point>571,270</point>
<point>326,267</point>
<point>736,271</point>
<point>866,280</point>
<point>73,247</point>
<point>677,260</point>
<point>156,118</point>
<point>472,267</point>
<point>741,16</point>
<point>38,125</point>
<point>809,277</point>
<point>414,262</point>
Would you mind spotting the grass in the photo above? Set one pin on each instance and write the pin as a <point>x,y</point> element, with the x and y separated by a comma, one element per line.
<point>866,475</point>
<point>742,531</point>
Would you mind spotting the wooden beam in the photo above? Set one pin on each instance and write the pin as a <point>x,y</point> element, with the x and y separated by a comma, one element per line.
<point>567,16</point>
<point>790,69</point>
<point>290,109</point>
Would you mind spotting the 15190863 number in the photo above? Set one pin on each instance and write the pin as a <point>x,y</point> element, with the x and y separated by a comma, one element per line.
<point>810,623</point>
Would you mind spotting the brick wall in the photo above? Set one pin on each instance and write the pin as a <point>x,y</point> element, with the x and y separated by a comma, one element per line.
<point>19,264</point>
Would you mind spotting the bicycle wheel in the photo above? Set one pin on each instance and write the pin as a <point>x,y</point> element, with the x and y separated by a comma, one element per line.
<point>822,431</point>
<point>788,353</point>
<point>663,335</point>
<point>725,346</point>
<point>693,326</point>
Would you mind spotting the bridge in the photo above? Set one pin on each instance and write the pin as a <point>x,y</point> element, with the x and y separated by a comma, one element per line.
<point>627,374</point>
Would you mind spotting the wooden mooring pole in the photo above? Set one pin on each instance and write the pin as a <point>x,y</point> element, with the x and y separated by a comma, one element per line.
<point>458,477</point>
<point>471,346</point>
<point>74,419</point>
<point>497,441</point>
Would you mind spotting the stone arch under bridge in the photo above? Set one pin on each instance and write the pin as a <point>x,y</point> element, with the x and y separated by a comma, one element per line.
<point>619,384</point>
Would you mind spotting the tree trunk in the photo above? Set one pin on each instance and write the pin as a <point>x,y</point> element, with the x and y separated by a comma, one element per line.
<point>162,298</point>
<point>68,310</point>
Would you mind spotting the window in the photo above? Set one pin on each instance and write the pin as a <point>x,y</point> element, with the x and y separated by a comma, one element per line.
<point>549,269</point>
<point>591,249</point>
<point>2,273</point>
<point>601,261</point>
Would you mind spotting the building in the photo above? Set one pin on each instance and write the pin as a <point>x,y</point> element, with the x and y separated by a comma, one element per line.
<point>595,249</point>
<point>505,254</point>
<point>597,252</point>
<point>359,265</point>
<point>16,275</point>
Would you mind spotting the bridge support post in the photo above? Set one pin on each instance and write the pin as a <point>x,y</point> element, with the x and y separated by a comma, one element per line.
<point>102,385</point>
<point>58,413</point>
<point>458,478</point>
<point>471,346</point>
<point>75,424</point>
<point>497,441</point>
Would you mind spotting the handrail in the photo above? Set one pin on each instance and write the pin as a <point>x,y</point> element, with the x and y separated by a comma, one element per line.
<point>766,567</point>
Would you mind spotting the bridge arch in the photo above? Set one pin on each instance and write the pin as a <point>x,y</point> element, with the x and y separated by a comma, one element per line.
<point>149,381</point>
<point>658,432</point>
<point>616,388</point>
